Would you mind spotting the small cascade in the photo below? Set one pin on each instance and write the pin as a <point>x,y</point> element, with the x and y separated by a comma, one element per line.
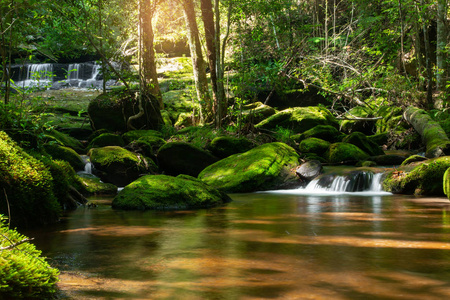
<point>355,182</point>
<point>74,72</point>
<point>87,166</point>
<point>37,75</point>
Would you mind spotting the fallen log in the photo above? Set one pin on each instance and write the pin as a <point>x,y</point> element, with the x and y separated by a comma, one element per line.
<point>436,140</point>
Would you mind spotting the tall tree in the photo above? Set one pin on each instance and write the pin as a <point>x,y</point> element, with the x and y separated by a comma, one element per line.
<point>198,62</point>
<point>150,76</point>
<point>441,43</point>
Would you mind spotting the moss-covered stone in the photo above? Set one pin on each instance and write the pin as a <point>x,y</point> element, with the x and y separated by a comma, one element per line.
<point>112,110</point>
<point>147,146</point>
<point>134,135</point>
<point>94,186</point>
<point>26,185</point>
<point>66,154</point>
<point>324,132</point>
<point>422,178</point>
<point>388,160</point>
<point>299,119</point>
<point>362,142</point>
<point>184,120</point>
<point>161,192</point>
<point>345,153</point>
<point>24,273</point>
<point>225,146</point>
<point>446,183</point>
<point>119,166</point>
<point>413,159</point>
<point>256,112</point>
<point>64,140</point>
<point>313,156</point>
<point>177,102</point>
<point>166,118</point>
<point>265,167</point>
<point>182,158</point>
<point>351,125</point>
<point>314,145</point>
<point>380,138</point>
<point>106,139</point>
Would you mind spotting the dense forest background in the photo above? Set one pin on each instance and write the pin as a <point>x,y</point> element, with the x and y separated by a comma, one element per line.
<point>351,52</point>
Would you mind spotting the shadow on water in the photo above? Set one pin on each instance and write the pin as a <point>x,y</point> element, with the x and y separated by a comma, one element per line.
<point>260,246</point>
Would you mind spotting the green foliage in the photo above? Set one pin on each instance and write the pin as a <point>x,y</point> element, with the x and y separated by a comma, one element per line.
<point>24,273</point>
<point>198,136</point>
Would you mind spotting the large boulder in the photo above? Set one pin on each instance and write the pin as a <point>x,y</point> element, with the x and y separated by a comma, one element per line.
<point>314,145</point>
<point>362,142</point>
<point>182,158</point>
<point>162,192</point>
<point>106,139</point>
<point>297,98</point>
<point>299,119</point>
<point>225,146</point>
<point>265,167</point>
<point>112,110</point>
<point>119,166</point>
<point>421,178</point>
<point>256,112</point>
<point>134,135</point>
<point>65,153</point>
<point>345,153</point>
<point>325,132</point>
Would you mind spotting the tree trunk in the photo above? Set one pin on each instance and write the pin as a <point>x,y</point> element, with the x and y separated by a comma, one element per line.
<point>426,40</point>
<point>436,140</point>
<point>441,44</point>
<point>199,65</point>
<point>210,32</point>
<point>148,52</point>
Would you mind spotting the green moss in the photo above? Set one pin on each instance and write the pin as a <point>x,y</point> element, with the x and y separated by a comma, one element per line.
<point>344,152</point>
<point>256,112</point>
<point>262,168</point>
<point>106,156</point>
<point>362,142</point>
<point>64,140</point>
<point>299,119</point>
<point>413,159</point>
<point>225,146</point>
<point>324,132</point>
<point>28,186</point>
<point>106,139</point>
<point>380,138</point>
<point>314,145</point>
<point>199,136</point>
<point>24,274</point>
<point>161,192</point>
<point>134,135</point>
<point>424,179</point>
<point>94,186</point>
<point>66,154</point>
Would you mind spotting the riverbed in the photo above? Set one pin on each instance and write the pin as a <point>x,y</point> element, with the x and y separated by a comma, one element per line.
<point>260,246</point>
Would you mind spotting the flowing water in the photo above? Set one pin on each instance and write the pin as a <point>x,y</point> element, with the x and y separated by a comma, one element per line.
<point>260,246</point>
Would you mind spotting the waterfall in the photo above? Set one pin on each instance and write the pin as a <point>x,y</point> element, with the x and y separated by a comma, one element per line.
<point>87,166</point>
<point>74,72</point>
<point>37,75</point>
<point>355,182</point>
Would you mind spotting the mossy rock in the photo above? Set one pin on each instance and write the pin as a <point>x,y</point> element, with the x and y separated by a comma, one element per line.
<point>162,192</point>
<point>106,139</point>
<point>256,112</point>
<point>24,273</point>
<point>366,164</point>
<point>199,136</point>
<point>119,166</point>
<point>94,186</point>
<point>28,186</point>
<point>225,146</point>
<point>380,138</point>
<point>66,154</point>
<point>299,119</point>
<point>413,159</point>
<point>314,145</point>
<point>325,132</point>
<point>112,110</point>
<point>345,153</point>
<point>64,140</point>
<point>351,125</point>
<point>182,158</point>
<point>265,167</point>
<point>446,183</point>
<point>425,179</point>
<point>392,118</point>
<point>166,118</point>
<point>177,102</point>
<point>147,146</point>
<point>360,140</point>
<point>312,156</point>
<point>134,135</point>
<point>184,120</point>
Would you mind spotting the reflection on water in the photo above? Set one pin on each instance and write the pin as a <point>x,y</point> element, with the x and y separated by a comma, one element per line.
<point>259,246</point>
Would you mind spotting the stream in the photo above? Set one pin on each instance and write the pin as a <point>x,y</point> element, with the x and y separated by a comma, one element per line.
<point>272,245</point>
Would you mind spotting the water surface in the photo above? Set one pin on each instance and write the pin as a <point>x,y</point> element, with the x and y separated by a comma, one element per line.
<point>260,246</point>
